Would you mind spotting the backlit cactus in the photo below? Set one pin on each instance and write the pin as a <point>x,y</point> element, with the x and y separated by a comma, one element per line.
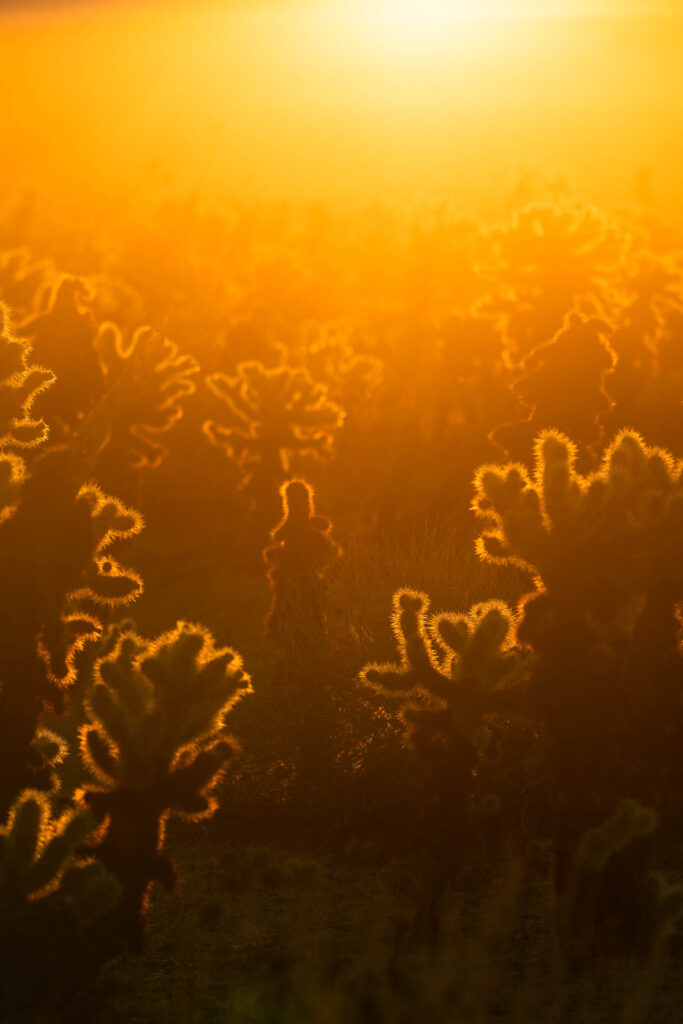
<point>606,554</point>
<point>276,416</point>
<point>155,744</point>
<point>564,385</point>
<point>548,259</point>
<point>62,338</point>
<point>455,676</point>
<point>147,380</point>
<point>21,383</point>
<point>458,668</point>
<point>22,277</point>
<point>300,554</point>
<point>59,549</point>
<point>51,899</point>
<point>606,535</point>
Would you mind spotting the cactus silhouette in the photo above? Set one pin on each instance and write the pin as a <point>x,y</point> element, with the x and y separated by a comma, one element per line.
<point>156,745</point>
<point>50,899</point>
<point>146,379</point>
<point>460,667</point>
<point>277,415</point>
<point>652,287</point>
<point>352,377</point>
<point>22,278</point>
<point>563,385</point>
<point>549,259</point>
<point>454,674</point>
<point>59,549</point>
<point>20,384</point>
<point>298,558</point>
<point>62,337</point>
<point>606,553</point>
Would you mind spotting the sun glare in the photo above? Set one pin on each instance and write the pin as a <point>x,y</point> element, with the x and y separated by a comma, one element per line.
<point>415,25</point>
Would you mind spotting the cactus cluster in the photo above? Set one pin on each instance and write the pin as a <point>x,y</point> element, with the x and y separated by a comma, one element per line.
<point>454,670</point>
<point>275,417</point>
<point>550,257</point>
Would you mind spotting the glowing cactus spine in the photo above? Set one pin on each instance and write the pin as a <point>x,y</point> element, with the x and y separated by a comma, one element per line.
<point>155,744</point>
<point>300,554</point>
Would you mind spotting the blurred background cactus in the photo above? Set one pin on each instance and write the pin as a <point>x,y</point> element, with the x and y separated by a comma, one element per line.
<point>300,555</point>
<point>276,418</point>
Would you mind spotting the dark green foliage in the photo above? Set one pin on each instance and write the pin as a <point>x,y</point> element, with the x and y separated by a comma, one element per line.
<point>156,745</point>
<point>301,552</point>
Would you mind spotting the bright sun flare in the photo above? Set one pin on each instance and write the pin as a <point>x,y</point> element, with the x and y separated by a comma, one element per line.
<point>418,25</point>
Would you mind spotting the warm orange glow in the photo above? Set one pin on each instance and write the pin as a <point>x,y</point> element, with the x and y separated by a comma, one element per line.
<point>332,99</point>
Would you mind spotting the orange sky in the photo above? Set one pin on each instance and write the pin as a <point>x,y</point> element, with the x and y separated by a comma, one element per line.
<point>290,100</point>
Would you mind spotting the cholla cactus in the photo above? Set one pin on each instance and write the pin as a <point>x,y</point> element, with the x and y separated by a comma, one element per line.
<point>156,745</point>
<point>352,377</point>
<point>652,287</point>
<point>606,553</point>
<point>21,278</point>
<point>454,674</point>
<point>548,259</point>
<point>593,541</point>
<point>59,552</point>
<point>20,384</point>
<point>299,556</point>
<point>564,385</point>
<point>50,899</point>
<point>36,848</point>
<point>459,668</point>
<point>62,337</point>
<point>147,379</point>
<point>277,416</point>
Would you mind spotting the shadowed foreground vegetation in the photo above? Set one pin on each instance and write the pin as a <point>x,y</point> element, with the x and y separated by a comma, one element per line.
<point>341,669</point>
